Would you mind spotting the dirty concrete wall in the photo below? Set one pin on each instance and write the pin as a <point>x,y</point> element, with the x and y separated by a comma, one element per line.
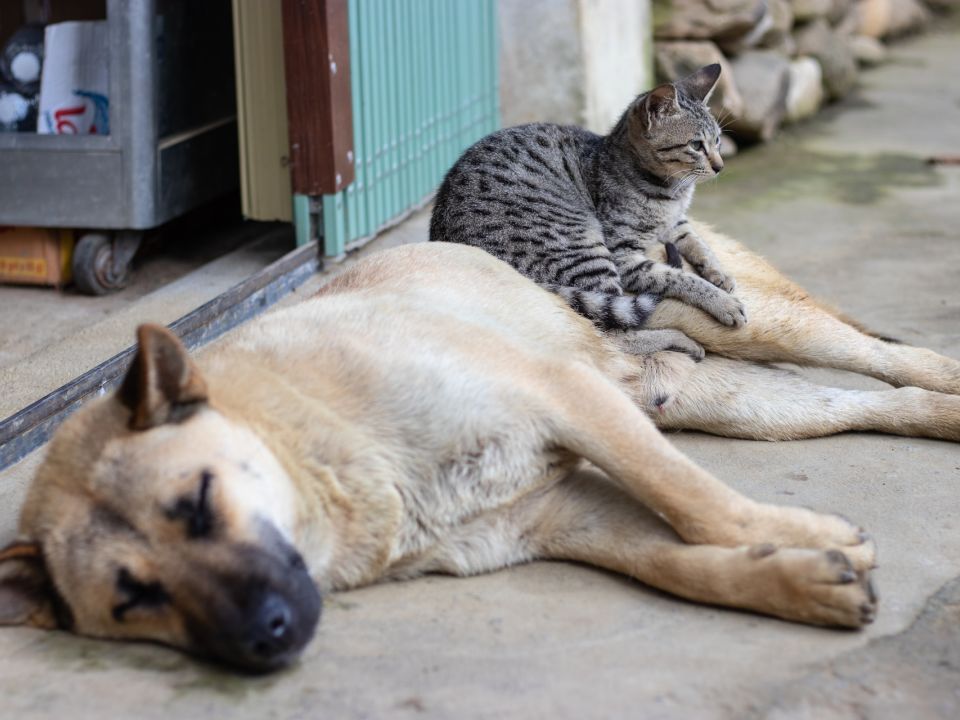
<point>572,61</point>
<point>617,50</point>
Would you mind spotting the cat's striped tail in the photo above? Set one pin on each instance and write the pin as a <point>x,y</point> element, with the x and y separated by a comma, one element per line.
<point>609,311</point>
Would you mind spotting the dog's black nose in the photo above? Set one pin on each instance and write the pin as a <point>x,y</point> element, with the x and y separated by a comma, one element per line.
<point>276,616</point>
<point>271,634</point>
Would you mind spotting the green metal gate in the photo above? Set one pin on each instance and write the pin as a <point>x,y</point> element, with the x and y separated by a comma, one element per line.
<point>424,85</point>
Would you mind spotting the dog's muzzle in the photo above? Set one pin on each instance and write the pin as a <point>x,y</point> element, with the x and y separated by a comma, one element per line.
<point>262,613</point>
<point>276,632</point>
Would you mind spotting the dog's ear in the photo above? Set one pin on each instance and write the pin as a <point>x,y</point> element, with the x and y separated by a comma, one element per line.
<point>163,385</point>
<point>700,84</point>
<point>26,595</point>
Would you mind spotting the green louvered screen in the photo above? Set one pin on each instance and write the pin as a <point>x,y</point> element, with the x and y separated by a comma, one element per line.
<point>424,81</point>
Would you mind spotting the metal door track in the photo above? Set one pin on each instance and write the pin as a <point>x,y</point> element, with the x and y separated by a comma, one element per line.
<point>28,429</point>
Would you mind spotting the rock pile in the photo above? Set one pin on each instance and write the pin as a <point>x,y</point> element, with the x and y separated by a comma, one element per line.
<point>782,59</point>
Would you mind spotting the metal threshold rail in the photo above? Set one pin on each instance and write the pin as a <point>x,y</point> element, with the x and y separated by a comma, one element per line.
<point>31,427</point>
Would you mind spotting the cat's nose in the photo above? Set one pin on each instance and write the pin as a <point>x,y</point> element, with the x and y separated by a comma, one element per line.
<point>717,166</point>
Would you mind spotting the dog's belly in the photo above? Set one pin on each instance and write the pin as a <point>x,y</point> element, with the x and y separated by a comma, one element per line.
<point>460,519</point>
<point>476,444</point>
<point>436,537</point>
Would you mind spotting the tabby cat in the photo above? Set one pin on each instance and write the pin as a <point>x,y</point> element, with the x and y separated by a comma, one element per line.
<point>577,212</point>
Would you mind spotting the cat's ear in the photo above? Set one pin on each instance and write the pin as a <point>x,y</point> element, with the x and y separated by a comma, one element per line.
<point>659,103</point>
<point>700,84</point>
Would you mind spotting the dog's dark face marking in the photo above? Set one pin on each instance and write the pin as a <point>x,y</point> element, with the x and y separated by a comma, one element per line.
<point>176,531</point>
<point>138,594</point>
<point>196,511</point>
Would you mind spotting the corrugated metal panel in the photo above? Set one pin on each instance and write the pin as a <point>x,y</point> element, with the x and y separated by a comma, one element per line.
<point>425,86</point>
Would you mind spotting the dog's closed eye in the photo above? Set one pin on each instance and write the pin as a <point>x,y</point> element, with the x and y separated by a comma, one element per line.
<point>196,509</point>
<point>138,594</point>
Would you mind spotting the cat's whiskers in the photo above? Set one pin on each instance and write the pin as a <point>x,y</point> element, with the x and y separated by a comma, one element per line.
<point>676,172</point>
<point>726,122</point>
<point>724,119</point>
<point>684,182</point>
<point>672,175</point>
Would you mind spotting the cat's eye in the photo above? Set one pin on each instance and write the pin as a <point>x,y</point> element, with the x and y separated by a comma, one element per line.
<point>697,145</point>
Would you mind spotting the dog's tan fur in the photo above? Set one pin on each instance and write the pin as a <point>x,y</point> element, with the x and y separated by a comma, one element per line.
<point>729,397</point>
<point>425,414</point>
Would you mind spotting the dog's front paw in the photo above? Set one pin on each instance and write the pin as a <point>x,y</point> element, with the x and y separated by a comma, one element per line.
<point>815,586</point>
<point>785,526</point>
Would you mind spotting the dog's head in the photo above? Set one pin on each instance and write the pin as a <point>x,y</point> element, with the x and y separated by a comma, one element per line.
<point>154,516</point>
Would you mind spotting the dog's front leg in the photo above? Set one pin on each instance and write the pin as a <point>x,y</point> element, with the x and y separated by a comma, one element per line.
<point>596,420</point>
<point>587,520</point>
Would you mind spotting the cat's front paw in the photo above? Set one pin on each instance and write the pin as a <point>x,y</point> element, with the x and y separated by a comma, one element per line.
<point>716,276</point>
<point>727,309</point>
<point>649,342</point>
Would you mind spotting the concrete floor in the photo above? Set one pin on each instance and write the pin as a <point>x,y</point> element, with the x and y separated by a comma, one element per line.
<point>847,206</point>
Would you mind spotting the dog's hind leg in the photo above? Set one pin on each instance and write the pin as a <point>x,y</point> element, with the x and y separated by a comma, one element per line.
<point>585,519</point>
<point>787,325</point>
<point>740,399</point>
<point>593,418</point>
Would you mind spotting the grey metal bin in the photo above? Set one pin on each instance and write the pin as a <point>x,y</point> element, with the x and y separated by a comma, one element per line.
<point>172,143</point>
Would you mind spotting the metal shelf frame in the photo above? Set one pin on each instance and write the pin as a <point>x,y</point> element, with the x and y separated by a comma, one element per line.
<point>131,179</point>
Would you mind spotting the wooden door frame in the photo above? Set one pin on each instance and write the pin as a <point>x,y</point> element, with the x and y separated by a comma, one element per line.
<point>316,51</point>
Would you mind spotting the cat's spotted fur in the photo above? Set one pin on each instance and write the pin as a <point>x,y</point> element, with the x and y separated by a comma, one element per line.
<point>577,212</point>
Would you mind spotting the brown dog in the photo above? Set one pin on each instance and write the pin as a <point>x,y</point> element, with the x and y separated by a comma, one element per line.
<point>424,414</point>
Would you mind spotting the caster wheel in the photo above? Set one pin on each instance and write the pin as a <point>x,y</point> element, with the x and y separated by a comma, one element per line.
<point>96,270</point>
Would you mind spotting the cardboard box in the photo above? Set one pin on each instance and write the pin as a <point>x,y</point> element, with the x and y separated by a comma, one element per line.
<point>35,256</point>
